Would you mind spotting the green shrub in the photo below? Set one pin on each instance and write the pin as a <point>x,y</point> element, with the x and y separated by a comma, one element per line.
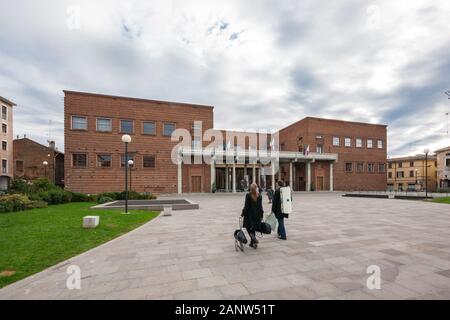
<point>80,197</point>
<point>42,185</point>
<point>104,199</point>
<point>55,196</point>
<point>13,202</point>
<point>19,186</point>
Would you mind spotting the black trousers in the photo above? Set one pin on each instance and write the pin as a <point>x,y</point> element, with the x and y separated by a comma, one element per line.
<point>252,234</point>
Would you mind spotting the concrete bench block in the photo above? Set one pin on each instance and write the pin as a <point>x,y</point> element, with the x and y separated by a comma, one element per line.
<point>90,222</point>
<point>167,211</point>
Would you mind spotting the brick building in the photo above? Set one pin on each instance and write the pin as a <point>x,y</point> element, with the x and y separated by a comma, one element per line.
<point>33,160</point>
<point>6,151</point>
<point>315,154</point>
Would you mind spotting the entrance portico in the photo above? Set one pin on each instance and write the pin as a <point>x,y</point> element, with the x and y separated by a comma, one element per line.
<point>261,167</point>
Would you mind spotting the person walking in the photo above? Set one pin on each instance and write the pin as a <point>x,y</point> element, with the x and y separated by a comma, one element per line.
<point>253,213</point>
<point>270,194</point>
<point>276,209</point>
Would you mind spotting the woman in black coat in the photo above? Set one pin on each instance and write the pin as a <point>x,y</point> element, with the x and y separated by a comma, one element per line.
<point>253,213</point>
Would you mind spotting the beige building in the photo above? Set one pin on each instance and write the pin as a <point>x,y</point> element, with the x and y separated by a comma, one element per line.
<point>6,151</point>
<point>408,173</point>
<point>443,168</point>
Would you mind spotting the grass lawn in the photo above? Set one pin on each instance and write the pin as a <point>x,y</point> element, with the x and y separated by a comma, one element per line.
<point>442,200</point>
<point>33,240</point>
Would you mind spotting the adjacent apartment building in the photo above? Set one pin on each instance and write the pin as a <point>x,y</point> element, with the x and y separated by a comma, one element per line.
<point>6,152</point>
<point>315,154</point>
<point>33,160</point>
<point>443,168</point>
<point>409,174</point>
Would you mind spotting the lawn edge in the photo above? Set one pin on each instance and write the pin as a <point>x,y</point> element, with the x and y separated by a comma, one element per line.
<point>24,281</point>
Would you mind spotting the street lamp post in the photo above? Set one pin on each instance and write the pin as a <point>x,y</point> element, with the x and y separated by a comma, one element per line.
<point>417,181</point>
<point>126,139</point>
<point>45,163</point>
<point>426,151</point>
<point>130,165</point>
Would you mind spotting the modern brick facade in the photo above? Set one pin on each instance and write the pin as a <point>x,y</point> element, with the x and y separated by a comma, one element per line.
<point>93,150</point>
<point>29,159</point>
<point>162,178</point>
<point>361,150</point>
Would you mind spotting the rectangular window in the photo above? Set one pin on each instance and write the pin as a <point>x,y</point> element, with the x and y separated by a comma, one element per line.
<point>358,142</point>
<point>79,123</point>
<point>447,162</point>
<point>380,144</point>
<point>370,167</point>
<point>348,167</point>
<point>19,165</point>
<point>400,174</point>
<point>4,166</point>
<point>411,174</point>
<point>149,161</point>
<point>4,145</point>
<point>126,126</point>
<point>148,127</point>
<point>104,160</point>
<point>400,164</point>
<point>122,159</point>
<point>360,167</point>
<point>319,148</point>
<point>4,128</point>
<point>348,142</point>
<point>336,141</point>
<point>390,165</point>
<point>168,129</point>
<point>104,125</point>
<point>369,143</point>
<point>411,163</point>
<point>381,167</point>
<point>390,175</point>
<point>79,160</point>
<point>4,113</point>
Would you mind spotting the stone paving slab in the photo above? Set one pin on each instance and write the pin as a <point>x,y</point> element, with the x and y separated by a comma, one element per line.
<point>331,242</point>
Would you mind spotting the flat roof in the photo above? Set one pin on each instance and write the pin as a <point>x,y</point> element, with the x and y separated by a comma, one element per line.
<point>346,121</point>
<point>135,99</point>
<point>416,157</point>
<point>4,100</point>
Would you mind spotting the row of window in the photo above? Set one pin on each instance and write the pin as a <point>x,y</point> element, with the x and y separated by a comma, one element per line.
<point>125,126</point>
<point>359,142</point>
<point>401,174</point>
<point>105,160</point>
<point>361,167</point>
<point>411,164</point>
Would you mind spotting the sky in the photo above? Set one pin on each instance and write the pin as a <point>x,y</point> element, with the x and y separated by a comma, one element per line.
<point>262,64</point>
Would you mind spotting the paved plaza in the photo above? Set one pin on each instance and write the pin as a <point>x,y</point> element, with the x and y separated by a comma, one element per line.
<point>331,242</point>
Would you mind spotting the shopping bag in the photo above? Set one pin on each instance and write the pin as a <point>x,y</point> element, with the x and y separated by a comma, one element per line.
<point>272,221</point>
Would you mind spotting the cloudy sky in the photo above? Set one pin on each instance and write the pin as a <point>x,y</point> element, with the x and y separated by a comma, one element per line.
<point>262,64</point>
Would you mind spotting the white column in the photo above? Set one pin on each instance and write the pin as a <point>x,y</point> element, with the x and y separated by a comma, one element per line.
<point>226,178</point>
<point>254,174</point>
<point>290,174</point>
<point>234,177</point>
<point>308,176</point>
<point>331,176</point>
<point>180,176</point>
<point>213,174</point>
<point>273,176</point>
